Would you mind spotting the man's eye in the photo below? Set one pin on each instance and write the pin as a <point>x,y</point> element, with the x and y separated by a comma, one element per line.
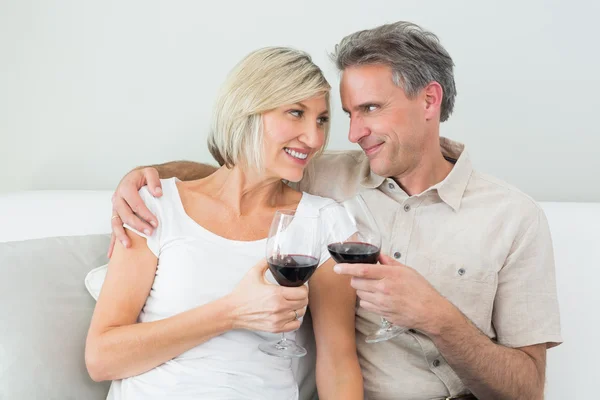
<point>370,107</point>
<point>297,113</point>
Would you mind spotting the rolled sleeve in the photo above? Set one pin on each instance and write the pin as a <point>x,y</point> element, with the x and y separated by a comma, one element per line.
<point>526,305</point>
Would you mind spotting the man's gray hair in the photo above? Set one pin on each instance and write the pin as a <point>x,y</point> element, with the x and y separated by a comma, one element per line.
<point>415,55</point>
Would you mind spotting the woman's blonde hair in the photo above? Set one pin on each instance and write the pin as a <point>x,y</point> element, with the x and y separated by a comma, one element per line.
<point>264,80</point>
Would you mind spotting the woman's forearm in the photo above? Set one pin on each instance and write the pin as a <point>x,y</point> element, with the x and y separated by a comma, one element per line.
<point>332,305</point>
<point>340,379</point>
<point>125,351</point>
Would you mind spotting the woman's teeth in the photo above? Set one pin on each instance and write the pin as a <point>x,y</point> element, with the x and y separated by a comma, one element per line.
<point>295,154</point>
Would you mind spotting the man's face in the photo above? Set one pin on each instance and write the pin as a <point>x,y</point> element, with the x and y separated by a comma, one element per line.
<point>388,126</point>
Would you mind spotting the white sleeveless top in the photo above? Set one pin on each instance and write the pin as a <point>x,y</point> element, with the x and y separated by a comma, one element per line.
<point>196,267</point>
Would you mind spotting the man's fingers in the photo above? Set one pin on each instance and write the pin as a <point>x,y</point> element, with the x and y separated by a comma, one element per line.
<point>365,285</point>
<point>111,246</point>
<point>153,181</point>
<point>119,233</point>
<point>143,213</point>
<point>368,271</point>
<point>370,307</point>
<point>387,260</point>
<point>127,216</point>
<point>134,202</point>
<point>369,297</point>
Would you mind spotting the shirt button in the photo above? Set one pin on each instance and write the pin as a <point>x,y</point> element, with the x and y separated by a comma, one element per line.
<point>397,254</point>
<point>391,186</point>
<point>461,271</point>
<point>436,363</point>
<point>406,207</point>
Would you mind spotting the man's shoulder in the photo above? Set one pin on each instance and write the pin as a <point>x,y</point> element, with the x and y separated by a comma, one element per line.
<point>501,193</point>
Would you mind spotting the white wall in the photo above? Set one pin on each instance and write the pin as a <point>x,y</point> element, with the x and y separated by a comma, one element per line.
<point>90,89</point>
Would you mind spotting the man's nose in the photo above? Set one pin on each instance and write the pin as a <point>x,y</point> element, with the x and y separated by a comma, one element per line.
<point>358,130</point>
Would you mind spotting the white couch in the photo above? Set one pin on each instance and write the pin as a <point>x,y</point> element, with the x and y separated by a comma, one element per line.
<point>572,371</point>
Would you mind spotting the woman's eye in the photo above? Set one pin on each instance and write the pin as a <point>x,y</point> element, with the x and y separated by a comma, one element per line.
<point>297,113</point>
<point>322,120</point>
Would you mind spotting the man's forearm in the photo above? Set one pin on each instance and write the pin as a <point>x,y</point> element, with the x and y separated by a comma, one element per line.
<point>489,370</point>
<point>184,170</point>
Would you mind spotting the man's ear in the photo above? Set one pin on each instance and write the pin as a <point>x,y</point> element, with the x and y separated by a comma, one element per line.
<point>433,94</point>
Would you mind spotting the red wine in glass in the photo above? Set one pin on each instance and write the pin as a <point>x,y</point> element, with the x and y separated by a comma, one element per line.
<point>354,238</point>
<point>292,270</point>
<point>293,253</point>
<point>354,253</point>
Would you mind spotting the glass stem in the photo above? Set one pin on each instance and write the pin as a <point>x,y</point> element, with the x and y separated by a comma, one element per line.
<point>385,324</point>
<point>283,341</point>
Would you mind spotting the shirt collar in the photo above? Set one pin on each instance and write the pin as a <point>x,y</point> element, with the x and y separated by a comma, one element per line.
<point>451,189</point>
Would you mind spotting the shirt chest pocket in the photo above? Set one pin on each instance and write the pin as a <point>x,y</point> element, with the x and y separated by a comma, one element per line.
<point>470,286</point>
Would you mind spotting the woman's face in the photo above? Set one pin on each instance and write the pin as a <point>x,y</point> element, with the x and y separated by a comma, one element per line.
<point>293,133</point>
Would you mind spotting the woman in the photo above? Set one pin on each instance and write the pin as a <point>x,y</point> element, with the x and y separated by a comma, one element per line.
<point>183,310</point>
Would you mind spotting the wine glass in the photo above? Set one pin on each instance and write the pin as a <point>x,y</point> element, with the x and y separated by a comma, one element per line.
<point>293,254</point>
<point>354,238</point>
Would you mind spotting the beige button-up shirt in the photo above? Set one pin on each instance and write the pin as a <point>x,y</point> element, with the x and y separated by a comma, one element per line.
<point>483,244</point>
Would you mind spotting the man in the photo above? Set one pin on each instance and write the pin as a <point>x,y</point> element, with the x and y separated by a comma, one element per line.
<point>471,271</point>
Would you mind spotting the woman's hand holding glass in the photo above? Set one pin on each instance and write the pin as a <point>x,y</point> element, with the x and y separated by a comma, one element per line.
<point>262,306</point>
<point>293,253</point>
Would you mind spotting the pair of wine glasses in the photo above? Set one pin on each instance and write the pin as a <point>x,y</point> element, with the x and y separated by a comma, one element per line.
<point>294,249</point>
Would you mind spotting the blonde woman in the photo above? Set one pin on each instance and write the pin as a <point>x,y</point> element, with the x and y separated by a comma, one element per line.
<point>183,310</point>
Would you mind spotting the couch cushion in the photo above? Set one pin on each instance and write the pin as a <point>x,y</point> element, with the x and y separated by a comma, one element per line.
<point>45,312</point>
